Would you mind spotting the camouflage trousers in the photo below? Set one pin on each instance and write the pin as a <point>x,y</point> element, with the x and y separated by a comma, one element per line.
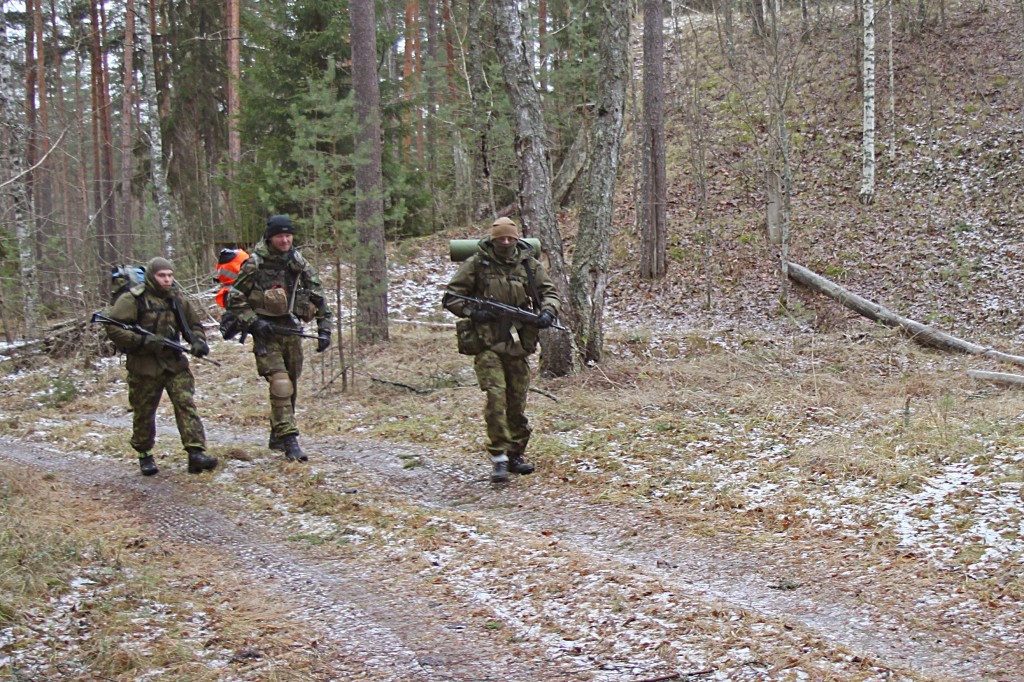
<point>283,358</point>
<point>505,380</point>
<point>144,393</point>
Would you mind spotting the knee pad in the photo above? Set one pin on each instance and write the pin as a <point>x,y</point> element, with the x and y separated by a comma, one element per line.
<point>280,388</point>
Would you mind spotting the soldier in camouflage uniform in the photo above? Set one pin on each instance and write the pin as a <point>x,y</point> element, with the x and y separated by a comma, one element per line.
<point>154,368</point>
<point>278,288</point>
<point>504,268</point>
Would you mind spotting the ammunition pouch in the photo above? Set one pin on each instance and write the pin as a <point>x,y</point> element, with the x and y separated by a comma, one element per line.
<point>275,302</point>
<point>304,307</point>
<point>467,338</point>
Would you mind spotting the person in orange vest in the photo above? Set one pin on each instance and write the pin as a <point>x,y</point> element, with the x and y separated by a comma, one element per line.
<point>228,264</point>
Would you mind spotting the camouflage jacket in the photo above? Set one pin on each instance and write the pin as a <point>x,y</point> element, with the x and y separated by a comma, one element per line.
<point>152,310</point>
<point>483,275</point>
<point>268,273</point>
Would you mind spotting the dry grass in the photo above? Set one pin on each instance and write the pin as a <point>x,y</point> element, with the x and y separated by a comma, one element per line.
<point>85,594</point>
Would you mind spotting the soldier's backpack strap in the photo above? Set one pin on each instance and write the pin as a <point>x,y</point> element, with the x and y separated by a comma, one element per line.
<point>179,318</point>
<point>531,285</point>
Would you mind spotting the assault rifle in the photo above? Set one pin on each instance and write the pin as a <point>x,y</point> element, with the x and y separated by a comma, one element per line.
<point>230,325</point>
<point>100,317</point>
<point>292,331</point>
<point>504,310</point>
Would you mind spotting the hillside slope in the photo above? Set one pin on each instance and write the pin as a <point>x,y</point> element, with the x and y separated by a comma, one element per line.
<point>942,241</point>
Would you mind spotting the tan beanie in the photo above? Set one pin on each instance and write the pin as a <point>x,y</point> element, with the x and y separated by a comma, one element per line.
<point>504,227</point>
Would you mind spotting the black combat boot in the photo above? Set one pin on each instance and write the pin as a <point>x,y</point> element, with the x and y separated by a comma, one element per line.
<point>517,464</point>
<point>275,443</point>
<point>146,464</point>
<point>292,451</point>
<point>199,461</point>
<point>500,472</point>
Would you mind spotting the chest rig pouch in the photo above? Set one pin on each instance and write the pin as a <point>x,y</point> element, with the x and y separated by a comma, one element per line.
<point>274,293</point>
<point>159,317</point>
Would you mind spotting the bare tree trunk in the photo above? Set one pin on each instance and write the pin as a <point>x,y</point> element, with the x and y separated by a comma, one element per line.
<point>892,87</point>
<point>569,170</point>
<point>534,172</point>
<point>431,79</point>
<point>724,29</point>
<point>482,199</point>
<point>779,173</point>
<point>590,261</point>
<point>105,230</point>
<point>109,201</point>
<point>867,187</point>
<point>653,230</point>
<point>690,103</point>
<point>26,228</point>
<point>234,75</point>
<point>156,145</point>
<point>50,282</point>
<point>409,67</point>
<point>62,181</point>
<point>13,190</point>
<point>371,268</point>
<point>127,119</point>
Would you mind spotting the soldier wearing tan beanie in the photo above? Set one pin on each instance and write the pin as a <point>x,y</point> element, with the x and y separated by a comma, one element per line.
<point>504,269</point>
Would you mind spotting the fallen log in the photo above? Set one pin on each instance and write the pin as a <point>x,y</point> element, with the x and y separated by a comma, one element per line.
<point>997,377</point>
<point>918,332</point>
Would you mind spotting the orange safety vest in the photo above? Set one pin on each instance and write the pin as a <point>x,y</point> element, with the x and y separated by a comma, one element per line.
<point>227,273</point>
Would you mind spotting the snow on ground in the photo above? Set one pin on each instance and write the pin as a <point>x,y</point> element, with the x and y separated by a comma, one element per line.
<point>964,510</point>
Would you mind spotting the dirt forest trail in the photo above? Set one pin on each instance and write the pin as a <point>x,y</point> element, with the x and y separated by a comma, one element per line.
<point>582,589</point>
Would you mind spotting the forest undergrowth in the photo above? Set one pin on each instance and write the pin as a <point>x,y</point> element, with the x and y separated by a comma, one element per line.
<point>799,427</point>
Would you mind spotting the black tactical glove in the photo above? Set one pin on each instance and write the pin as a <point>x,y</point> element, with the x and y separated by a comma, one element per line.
<point>200,349</point>
<point>261,328</point>
<point>228,326</point>
<point>545,319</point>
<point>323,340</point>
<point>480,316</point>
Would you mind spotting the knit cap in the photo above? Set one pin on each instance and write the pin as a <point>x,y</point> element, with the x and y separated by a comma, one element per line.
<point>504,227</point>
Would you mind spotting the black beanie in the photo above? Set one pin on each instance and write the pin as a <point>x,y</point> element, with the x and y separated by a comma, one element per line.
<point>278,224</point>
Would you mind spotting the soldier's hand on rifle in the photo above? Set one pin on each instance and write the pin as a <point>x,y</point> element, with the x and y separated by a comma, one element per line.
<point>200,349</point>
<point>260,328</point>
<point>545,319</point>
<point>323,341</point>
<point>228,326</point>
<point>480,316</point>
<point>153,342</point>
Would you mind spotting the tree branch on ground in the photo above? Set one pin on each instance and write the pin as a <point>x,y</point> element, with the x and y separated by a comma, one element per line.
<point>918,332</point>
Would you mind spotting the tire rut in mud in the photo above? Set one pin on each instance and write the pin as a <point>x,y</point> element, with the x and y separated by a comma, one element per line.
<point>395,635</point>
<point>859,613</point>
<point>872,615</point>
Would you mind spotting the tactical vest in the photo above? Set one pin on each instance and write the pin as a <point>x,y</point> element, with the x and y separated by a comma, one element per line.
<point>276,288</point>
<point>508,283</point>
<point>157,314</point>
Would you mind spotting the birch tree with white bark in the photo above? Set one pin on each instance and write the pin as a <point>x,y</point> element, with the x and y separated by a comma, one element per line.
<point>867,187</point>
<point>13,191</point>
